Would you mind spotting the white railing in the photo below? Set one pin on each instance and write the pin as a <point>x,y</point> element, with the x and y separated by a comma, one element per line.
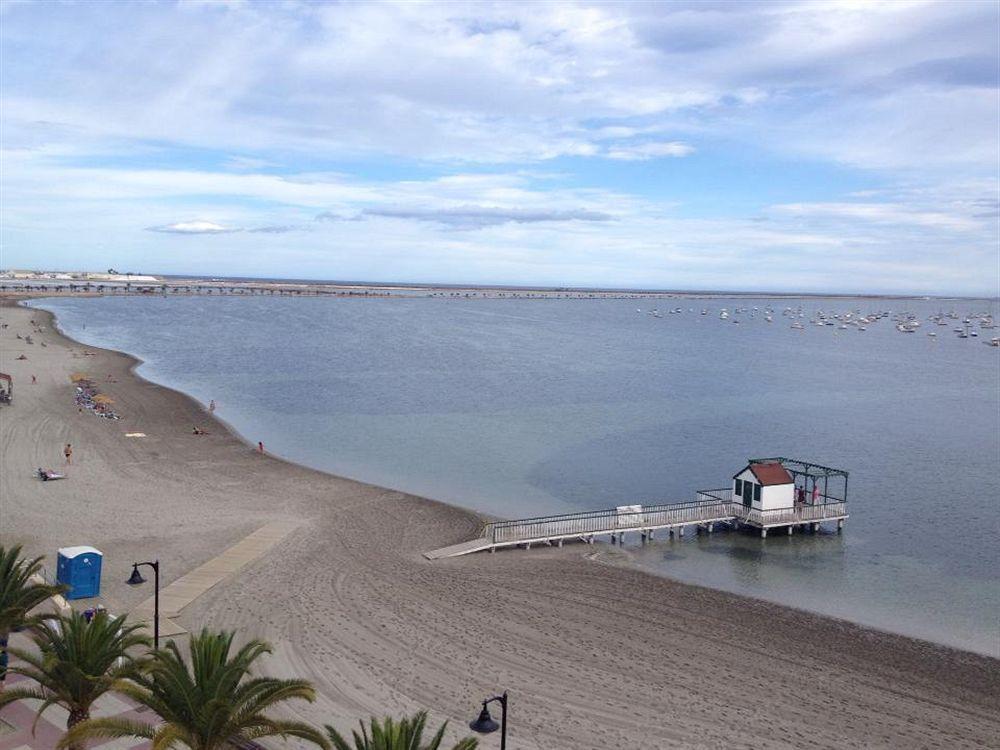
<point>607,521</point>
<point>787,516</point>
<point>710,506</point>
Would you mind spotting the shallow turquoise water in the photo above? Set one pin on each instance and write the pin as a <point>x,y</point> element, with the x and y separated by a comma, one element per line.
<point>524,407</point>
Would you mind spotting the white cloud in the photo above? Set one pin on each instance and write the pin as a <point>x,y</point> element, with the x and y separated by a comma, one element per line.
<point>259,117</point>
<point>192,227</point>
<point>885,213</point>
<point>872,84</point>
<point>645,151</point>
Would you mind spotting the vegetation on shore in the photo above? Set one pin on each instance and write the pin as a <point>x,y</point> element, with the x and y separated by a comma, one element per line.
<point>78,659</point>
<point>210,700</point>
<point>22,589</point>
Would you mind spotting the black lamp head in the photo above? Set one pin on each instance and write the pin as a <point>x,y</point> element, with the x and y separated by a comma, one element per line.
<point>484,724</point>
<point>136,578</point>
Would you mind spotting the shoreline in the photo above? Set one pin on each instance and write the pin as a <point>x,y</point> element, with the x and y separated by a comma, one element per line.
<point>11,289</point>
<point>436,608</point>
<point>619,556</point>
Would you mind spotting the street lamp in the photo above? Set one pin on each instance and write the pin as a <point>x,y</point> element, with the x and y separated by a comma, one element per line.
<point>135,579</point>
<point>485,724</point>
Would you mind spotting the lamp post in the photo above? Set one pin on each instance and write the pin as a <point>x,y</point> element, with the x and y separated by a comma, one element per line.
<point>485,724</point>
<point>135,579</point>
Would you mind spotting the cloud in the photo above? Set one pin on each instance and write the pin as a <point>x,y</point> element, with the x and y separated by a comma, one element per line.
<point>329,216</point>
<point>969,70</point>
<point>885,213</point>
<point>478,217</point>
<point>866,131</point>
<point>645,151</point>
<point>247,163</point>
<point>275,229</point>
<point>193,227</point>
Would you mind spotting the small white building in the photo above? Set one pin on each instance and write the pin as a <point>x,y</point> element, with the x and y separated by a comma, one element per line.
<point>764,486</point>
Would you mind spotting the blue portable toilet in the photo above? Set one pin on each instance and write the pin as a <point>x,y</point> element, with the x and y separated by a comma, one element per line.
<point>79,568</point>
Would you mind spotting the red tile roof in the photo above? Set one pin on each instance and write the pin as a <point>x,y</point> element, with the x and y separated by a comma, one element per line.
<point>768,474</point>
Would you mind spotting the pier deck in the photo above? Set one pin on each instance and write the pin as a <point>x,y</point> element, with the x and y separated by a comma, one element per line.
<point>712,506</point>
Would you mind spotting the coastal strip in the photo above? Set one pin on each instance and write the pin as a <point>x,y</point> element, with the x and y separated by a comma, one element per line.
<point>594,655</point>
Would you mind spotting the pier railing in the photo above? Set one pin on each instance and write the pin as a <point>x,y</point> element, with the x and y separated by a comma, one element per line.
<point>710,507</point>
<point>724,495</point>
<point>799,514</point>
<point>603,521</point>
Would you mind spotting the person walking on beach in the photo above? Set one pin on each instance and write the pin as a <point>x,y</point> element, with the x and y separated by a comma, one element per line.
<point>34,380</point>
<point>68,452</point>
<point>260,446</point>
<point>211,406</point>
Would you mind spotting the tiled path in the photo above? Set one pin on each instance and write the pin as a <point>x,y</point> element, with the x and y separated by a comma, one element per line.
<point>190,586</point>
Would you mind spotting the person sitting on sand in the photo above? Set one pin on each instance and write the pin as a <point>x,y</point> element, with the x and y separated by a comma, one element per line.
<point>49,475</point>
<point>198,431</point>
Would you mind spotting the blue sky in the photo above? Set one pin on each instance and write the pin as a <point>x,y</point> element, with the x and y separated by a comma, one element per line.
<point>788,146</point>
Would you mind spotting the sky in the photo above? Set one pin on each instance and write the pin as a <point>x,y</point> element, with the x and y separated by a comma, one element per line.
<point>782,146</point>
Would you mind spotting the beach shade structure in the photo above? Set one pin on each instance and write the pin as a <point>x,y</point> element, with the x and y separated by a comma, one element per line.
<point>79,568</point>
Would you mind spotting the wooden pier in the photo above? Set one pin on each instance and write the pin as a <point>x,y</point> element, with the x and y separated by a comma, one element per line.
<point>710,507</point>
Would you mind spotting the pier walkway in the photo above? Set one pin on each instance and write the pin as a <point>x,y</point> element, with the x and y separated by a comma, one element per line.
<point>710,507</point>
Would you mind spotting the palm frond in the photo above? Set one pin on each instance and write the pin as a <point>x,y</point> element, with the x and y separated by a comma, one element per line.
<point>111,727</point>
<point>390,734</point>
<point>78,661</point>
<point>288,728</point>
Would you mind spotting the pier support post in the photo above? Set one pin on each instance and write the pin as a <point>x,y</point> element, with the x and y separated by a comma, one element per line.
<point>651,535</point>
<point>492,550</point>
<point>815,528</point>
<point>711,528</point>
<point>763,533</point>
<point>840,525</point>
<point>560,543</point>
<point>680,531</point>
<point>790,530</point>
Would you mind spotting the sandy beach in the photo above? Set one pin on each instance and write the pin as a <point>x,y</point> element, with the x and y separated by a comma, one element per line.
<point>595,654</point>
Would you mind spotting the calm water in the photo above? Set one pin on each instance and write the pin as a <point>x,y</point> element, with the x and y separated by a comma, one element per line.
<point>524,407</point>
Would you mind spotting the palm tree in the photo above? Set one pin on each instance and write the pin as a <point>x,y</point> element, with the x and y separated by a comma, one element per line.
<point>212,704</point>
<point>406,734</point>
<point>20,593</point>
<point>76,663</point>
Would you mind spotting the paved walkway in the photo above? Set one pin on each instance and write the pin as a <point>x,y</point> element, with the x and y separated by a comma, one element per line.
<point>190,586</point>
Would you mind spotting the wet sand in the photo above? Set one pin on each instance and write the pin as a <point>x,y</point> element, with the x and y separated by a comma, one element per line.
<point>595,654</point>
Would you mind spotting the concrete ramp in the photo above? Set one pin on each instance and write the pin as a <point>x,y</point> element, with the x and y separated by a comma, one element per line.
<point>455,550</point>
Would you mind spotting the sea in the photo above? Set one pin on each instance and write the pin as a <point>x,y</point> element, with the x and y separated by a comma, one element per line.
<point>522,407</point>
